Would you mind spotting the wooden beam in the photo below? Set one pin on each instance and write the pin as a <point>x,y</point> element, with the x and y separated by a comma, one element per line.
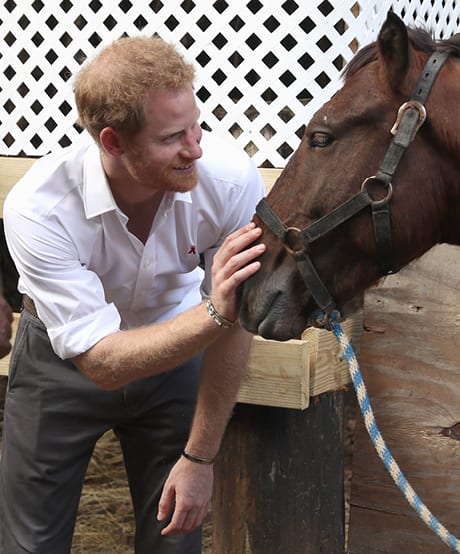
<point>5,362</point>
<point>287,374</point>
<point>279,478</point>
<point>269,176</point>
<point>11,170</point>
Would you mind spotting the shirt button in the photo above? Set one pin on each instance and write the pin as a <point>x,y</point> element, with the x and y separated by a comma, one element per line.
<point>147,263</point>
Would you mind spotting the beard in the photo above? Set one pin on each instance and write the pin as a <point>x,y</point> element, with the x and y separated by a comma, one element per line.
<point>173,181</point>
<point>180,177</point>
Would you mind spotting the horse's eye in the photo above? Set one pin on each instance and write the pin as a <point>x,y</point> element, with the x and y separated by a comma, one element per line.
<point>320,139</point>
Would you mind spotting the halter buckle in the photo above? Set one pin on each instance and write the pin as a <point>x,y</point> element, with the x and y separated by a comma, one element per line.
<point>410,105</point>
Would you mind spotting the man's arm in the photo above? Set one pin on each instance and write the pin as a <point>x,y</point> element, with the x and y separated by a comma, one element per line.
<point>127,356</point>
<point>223,368</point>
<point>134,354</point>
<point>190,484</point>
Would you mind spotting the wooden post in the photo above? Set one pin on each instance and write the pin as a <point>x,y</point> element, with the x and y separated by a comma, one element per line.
<point>279,485</point>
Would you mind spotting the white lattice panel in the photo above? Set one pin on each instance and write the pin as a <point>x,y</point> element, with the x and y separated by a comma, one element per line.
<point>440,17</point>
<point>263,68</point>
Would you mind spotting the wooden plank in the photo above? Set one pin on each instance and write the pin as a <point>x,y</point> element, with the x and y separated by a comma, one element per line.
<point>410,363</point>
<point>327,369</point>
<point>11,170</point>
<point>5,362</point>
<point>286,374</point>
<point>269,176</point>
<point>278,374</point>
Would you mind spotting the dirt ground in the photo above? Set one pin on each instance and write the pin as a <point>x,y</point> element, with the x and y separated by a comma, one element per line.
<point>105,523</point>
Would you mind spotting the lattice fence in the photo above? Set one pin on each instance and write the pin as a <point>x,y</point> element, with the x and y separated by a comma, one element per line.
<point>263,67</point>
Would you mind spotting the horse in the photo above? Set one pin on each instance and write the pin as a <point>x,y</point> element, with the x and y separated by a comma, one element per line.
<point>373,184</point>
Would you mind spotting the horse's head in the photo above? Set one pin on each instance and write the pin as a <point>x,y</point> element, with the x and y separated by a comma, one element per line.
<point>344,144</point>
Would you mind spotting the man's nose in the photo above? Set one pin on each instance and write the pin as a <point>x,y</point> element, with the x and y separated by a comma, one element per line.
<point>191,146</point>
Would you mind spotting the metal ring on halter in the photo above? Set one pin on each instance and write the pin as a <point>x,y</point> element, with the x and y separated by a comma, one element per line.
<point>291,236</point>
<point>389,186</point>
<point>410,105</point>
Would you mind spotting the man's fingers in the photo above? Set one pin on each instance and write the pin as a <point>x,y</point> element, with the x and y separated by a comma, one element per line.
<point>238,255</point>
<point>237,242</point>
<point>185,521</point>
<point>176,525</point>
<point>242,258</point>
<point>234,262</point>
<point>179,524</point>
<point>165,503</point>
<point>240,267</point>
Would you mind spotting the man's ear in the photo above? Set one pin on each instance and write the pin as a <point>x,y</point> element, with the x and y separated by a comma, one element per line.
<point>111,141</point>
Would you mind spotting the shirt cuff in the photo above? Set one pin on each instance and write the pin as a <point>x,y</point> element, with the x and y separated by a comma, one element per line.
<point>80,335</point>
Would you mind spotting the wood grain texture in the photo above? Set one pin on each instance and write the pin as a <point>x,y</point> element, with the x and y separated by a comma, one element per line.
<point>278,374</point>
<point>410,360</point>
<point>279,486</point>
<point>287,374</point>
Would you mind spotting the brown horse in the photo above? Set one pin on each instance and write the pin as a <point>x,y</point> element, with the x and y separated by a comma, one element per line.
<point>348,152</point>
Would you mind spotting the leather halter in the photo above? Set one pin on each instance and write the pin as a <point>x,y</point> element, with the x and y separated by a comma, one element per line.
<point>411,116</point>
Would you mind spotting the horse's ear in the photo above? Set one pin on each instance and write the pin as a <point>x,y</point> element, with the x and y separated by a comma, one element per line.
<point>393,47</point>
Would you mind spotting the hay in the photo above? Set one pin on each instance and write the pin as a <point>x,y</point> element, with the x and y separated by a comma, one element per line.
<point>105,519</point>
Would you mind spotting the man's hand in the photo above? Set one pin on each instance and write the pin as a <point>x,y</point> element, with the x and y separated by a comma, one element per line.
<point>233,263</point>
<point>188,491</point>
<point>6,319</point>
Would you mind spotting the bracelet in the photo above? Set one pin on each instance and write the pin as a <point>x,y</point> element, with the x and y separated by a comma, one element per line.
<point>219,319</point>
<point>197,459</point>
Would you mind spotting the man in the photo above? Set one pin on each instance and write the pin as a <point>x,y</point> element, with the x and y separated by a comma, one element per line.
<point>115,333</point>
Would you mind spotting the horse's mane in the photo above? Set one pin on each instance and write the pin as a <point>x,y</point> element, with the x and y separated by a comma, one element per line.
<point>420,39</point>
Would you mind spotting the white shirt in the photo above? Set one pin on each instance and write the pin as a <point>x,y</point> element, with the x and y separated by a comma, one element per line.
<point>87,274</point>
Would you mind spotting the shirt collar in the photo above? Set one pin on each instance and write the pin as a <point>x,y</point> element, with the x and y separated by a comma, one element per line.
<point>174,197</point>
<point>97,196</point>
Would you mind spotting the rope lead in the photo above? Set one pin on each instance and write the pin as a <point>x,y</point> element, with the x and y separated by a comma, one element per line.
<point>379,444</point>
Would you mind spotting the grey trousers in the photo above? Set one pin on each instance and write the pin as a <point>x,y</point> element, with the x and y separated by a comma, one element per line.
<point>53,419</point>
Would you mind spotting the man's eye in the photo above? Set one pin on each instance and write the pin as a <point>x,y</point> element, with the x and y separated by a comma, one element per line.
<point>171,138</point>
<point>320,139</point>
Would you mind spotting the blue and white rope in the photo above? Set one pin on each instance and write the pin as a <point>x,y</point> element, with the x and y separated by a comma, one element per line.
<point>377,440</point>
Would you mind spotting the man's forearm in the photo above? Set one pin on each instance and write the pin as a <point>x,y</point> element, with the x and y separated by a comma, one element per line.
<point>130,355</point>
<point>224,366</point>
